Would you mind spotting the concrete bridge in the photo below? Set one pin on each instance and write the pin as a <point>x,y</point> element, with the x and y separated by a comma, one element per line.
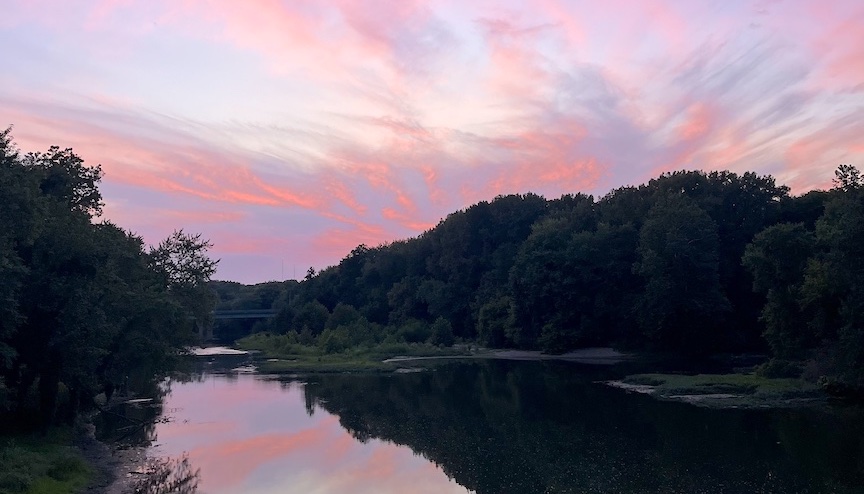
<point>205,331</point>
<point>243,314</point>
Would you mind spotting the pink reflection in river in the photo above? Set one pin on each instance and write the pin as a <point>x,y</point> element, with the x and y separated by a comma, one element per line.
<point>250,435</point>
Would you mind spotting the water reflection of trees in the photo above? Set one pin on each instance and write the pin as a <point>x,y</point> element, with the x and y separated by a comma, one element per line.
<point>197,369</point>
<point>168,476</point>
<point>133,423</point>
<point>517,427</point>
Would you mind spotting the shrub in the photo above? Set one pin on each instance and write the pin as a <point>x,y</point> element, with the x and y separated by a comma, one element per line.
<point>780,368</point>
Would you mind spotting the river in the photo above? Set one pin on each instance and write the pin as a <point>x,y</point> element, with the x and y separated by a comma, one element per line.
<point>489,427</point>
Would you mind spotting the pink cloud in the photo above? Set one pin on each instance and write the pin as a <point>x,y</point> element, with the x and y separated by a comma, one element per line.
<point>229,463</point>
<point>340,448</point>
<point>202,217</point>
<point>349,123</point>
<point>698,122</point>
<point>388,468</point>
<point>336,243</point>
<point>843,49</point>
<point>405,220</point>
<point>342,192</point>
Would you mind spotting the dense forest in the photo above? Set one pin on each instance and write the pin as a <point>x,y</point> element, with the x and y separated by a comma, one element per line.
<point>85,307</point>
<point>689,264</point>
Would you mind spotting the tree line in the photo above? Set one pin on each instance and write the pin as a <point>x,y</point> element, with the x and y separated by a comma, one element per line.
<point>85,306</point>
<point>691,263</point>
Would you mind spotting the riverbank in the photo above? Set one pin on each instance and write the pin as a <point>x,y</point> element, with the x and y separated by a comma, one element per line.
<point>407,363</point>
<point>735,390</point>
<point>724,390</point>
<point>276,356</point>
<point>66,461</point>
<point>115,469</point>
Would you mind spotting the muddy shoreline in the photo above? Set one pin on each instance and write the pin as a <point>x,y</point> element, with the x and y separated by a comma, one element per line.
<point>115,468</point>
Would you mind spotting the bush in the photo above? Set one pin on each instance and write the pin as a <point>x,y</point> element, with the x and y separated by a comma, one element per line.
<point>780,368</point>
<point>415,331</point>
<point>41,464</point>
<point>442,333</point>
<point>66,468</point>
<point>15,481</point>
<point>334,340</point>
<point>554,340</point>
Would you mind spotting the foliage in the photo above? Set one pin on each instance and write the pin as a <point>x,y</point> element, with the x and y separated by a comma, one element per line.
<point>777,258</point>
<point>682,305</point>
<point>848,178</point>
<point>334,352</point>
<point>494,325</point>
<point>44,464</point>
<point>442,333</point>
<point>182,260</point>
<point>814,283</point>
<point>780,368</point>
<point>763,390</point>
<point>85,307</point>
<point>690,263</point>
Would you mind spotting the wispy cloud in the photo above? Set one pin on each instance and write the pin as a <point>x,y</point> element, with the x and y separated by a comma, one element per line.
<point>296,130</point>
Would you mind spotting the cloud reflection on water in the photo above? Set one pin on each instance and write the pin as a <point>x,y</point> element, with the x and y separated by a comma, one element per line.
<point>254,436</point>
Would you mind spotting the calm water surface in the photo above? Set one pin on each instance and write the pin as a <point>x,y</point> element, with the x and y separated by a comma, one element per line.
<point>494,427</point>
<point>252,435</point>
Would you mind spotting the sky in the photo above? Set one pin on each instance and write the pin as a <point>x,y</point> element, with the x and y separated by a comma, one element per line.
<point>289,132</point>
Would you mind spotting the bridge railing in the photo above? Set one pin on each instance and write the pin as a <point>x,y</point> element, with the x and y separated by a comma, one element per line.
<point>243,314</point>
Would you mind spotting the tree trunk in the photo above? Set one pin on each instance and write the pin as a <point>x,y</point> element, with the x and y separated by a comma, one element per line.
<point>49,381</point>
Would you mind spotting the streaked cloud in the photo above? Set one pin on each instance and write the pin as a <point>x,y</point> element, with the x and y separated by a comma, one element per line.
<point>290,132</point>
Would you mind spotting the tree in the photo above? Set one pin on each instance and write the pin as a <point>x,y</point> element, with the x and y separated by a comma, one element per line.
<point>833,288</point>
<point>847,178</point>
<point>494,325</point>
<point>442,332</point>
<point>17,220</point>
<point>83,304</point>
<point>682,305</point>
<point>182,259</point>
<point>342,315</point>
<point>548,277</point>
<point>777,259</point>
<point>64,177</point>
<point>311,316</point>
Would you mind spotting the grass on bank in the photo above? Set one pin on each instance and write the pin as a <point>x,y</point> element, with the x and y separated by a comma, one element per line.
<point>750,389</point>
<point>37,464</point>
<point>282,354</point>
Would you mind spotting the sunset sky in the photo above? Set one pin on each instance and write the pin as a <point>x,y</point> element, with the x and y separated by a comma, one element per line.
<point>288,132</point>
